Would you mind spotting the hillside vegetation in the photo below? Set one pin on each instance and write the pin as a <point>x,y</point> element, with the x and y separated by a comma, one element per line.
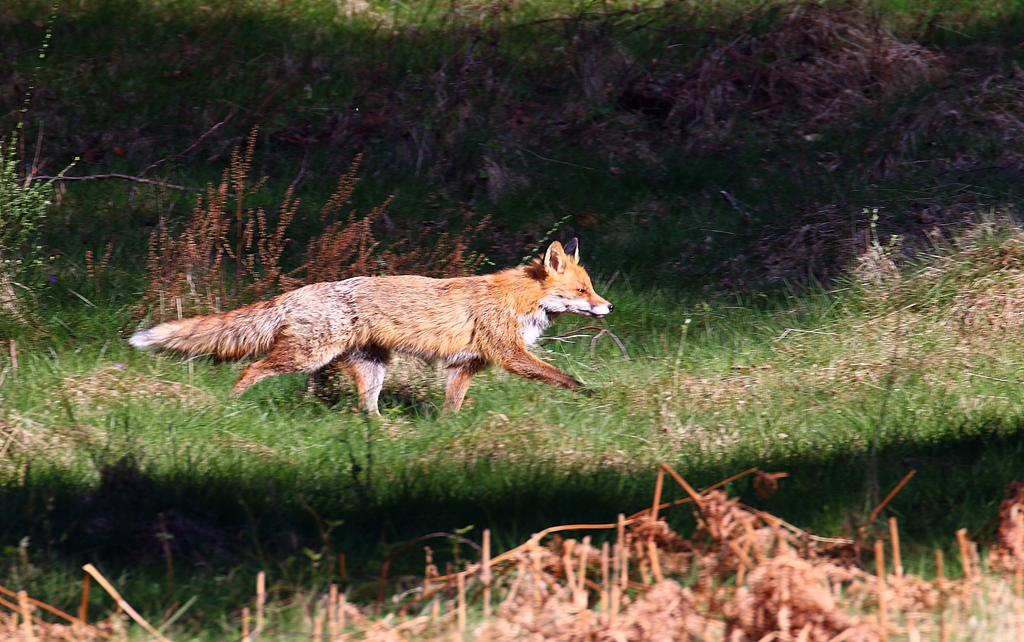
<point>806,215</point>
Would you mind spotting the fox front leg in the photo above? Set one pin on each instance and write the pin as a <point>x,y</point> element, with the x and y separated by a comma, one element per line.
<point>527,365</point>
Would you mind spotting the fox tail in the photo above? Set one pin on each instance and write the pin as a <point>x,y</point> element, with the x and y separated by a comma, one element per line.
<point>245,332</point>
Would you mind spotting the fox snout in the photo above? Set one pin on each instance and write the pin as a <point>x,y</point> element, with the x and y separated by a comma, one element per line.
<point>601,310</point>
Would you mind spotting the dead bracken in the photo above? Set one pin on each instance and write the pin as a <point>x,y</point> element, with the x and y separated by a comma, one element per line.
<point>742,576</point>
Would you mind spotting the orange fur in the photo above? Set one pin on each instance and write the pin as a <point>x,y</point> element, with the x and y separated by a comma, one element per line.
<point>468,323</point>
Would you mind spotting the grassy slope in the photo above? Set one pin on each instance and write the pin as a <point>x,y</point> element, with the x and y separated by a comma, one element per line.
<point>105,439</point>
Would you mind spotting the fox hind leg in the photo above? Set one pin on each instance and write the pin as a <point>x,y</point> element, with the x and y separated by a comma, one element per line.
<point>459,377</point>
<point>286,356</point>
<point>367,367</point>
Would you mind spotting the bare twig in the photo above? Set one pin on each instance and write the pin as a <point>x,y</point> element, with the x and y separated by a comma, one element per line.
<point>139,177</point>
<point>552,160</point>
<point>47,607</point>
<point>123,177</point>
<point>302,170</point>
<point>109,588</point>
<point>686,500</point>
<point>571,334</point>
<point>387,560</point>
<point>888,498</point>
<point>735,205</point>
<point>189,149</point>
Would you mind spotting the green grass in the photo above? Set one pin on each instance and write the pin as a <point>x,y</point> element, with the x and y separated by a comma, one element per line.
<point>238,482</point>
<point>772,370</point>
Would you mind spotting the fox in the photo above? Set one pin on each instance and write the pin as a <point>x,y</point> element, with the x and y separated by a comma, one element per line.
<point>466,323</point>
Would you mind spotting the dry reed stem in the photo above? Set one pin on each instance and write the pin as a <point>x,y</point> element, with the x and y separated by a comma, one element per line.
<point>658,484</point>
<point>582,576</point>
<point>46,607</point>
<point>14,361</point>
<point>485,574</point>
<point>624,575</point>
<point>616,589</point>
<point>26,617</point>
<point>461,580</point>
<point>652,552</point>
<point>682,482</point>
<point>888,498</point>
<point>246,614</point>
<point>132,613</point>
<point>332,613</point>
<point>965,557</point>
<point>894,533</point>
<point>261,602</point>
<point>882,605</point>
<point>318,626</point>
<point>341,613</point>
<point>940,575</point>
<point>604,579</point>
<point>83,608</point>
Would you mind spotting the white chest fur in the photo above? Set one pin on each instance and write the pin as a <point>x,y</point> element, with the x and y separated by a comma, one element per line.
<point>532,325</point>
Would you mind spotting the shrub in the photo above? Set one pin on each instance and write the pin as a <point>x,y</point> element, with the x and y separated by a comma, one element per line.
<point>23,205</point>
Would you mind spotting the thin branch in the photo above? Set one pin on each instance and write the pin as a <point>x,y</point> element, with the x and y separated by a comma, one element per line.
<point>302,170</point>
<point>60,53</point>
<point>565,336</point>
<point>123,177</point>
<point>91,570</point>
<point>892,494</point>
<point>139,178</point>
<point>191,147</point>
<point>387,561</point>
<point>51,609</point>
<point>966,171</point>
<point>593,343</point>
<point>552,160</point>
<point>735,205</point>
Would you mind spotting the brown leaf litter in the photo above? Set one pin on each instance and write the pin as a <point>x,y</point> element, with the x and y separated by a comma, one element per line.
<point>117,384</point>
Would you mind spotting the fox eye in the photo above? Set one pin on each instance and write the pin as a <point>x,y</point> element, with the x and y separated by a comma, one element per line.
<point>581,290</point>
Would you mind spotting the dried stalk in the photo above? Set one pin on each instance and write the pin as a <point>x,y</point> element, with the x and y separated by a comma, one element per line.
<point>261,602</point>
<point>132,613</point>
<point>485,574</point>
<point>880,572</point>
<point>26,617</point>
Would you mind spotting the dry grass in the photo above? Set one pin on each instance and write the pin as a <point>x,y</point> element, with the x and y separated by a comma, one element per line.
<point>742,576</point>
<point>222,259</point>
<point>116,385</point>
<point>819,62</point>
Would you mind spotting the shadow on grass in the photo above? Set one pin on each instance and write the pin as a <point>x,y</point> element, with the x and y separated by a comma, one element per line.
<point>211,523</point>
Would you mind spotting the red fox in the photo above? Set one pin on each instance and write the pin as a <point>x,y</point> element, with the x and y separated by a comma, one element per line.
<point>467,323</point>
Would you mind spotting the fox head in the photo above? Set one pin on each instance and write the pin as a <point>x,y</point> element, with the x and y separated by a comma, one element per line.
<point>567,285</point>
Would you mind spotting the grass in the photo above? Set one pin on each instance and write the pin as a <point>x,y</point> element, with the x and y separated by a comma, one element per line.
<point>739,356</point>
<point>104,440</point>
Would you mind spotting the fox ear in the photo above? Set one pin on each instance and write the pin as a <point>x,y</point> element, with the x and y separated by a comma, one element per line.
<point>554,258</point>
<point>572,249</point>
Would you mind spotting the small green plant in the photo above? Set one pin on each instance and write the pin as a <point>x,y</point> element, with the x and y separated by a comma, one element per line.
<point>23,206</point>
<point>877,265</point>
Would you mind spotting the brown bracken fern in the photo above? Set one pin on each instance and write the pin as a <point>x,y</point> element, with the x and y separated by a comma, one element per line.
<point>224,258</point>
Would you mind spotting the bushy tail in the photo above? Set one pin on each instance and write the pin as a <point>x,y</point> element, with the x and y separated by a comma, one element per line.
<point>245,332</point>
